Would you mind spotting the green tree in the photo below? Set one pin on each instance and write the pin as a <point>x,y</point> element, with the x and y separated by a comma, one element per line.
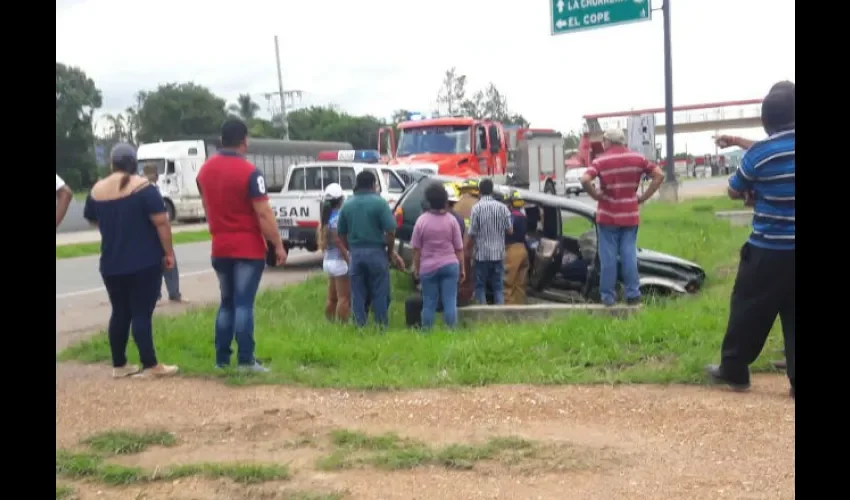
<point>245,107</point>
<point>131,124</point>
<point>326,123</point>
<point>260,127</point>
<point>452,93</point>
<point>177,110</point>
<point>399,116</point>
<point>77,98</point>
<point>486,104</point>
<point>571,140</point>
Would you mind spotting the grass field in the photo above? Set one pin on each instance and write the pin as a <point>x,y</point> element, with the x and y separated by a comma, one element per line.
<point>83,249</point>
<point>666,342</point>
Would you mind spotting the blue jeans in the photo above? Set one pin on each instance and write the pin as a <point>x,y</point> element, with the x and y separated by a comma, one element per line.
<point>618,243</point>
<point>172,282</point>
<point>238,280</point>
<point>492,273</point>
<point>370,277</point>
<point>440,286</point>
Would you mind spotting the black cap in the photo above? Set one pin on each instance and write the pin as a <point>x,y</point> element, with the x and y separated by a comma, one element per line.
<point>123,157</point>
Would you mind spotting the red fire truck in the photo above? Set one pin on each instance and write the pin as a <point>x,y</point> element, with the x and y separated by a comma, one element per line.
<point>455,146</point>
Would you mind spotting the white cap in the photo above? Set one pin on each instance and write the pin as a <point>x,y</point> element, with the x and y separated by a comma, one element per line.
<point>615,136</point>
<point>453,194</point>
<point>333,191</point>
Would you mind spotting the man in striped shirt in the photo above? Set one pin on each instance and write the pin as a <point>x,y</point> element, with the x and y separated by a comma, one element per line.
<point>617,216</point>
<point>766,280</point>
<point>489,222</point>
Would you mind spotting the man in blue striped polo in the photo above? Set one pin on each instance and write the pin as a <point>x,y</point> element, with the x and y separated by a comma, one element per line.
<point>765,285</point>
<point>489,222</point>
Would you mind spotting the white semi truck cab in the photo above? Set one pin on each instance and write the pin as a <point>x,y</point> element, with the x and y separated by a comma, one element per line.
<point>177,163</point>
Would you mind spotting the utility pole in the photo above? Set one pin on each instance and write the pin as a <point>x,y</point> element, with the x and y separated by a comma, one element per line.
<point>280,89</point>
<point>670,188</point>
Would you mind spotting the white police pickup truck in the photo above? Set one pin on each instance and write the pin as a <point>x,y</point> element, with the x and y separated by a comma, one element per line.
<point>298,206</point>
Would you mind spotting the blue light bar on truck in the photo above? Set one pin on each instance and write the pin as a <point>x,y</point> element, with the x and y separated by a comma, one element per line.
<point>354,155</point>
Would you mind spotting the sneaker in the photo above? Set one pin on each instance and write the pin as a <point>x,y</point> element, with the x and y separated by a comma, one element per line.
<point>159,370</point>
<point>718,377</point>
<point>178,299</point>
<point>633,302</point>
<point>254,367</point>
<point>125,371</point>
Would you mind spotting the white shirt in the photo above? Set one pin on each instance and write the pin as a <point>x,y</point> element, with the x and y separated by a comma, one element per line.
<point>59,183</point>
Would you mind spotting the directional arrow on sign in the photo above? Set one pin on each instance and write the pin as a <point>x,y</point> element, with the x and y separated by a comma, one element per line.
<point>560,23</point>
<point>560,5</point>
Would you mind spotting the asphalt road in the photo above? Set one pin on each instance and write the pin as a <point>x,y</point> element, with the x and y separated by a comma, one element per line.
<point>82,305</point>
<point>74,220</point>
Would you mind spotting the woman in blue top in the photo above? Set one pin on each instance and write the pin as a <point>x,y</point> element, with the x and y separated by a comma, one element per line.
<point>335,262</point>
<point>135,245</point>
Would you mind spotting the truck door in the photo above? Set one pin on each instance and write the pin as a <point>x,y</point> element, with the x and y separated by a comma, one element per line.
<point>170,180</point>
<point>498,156</point>
<point>482,149</point>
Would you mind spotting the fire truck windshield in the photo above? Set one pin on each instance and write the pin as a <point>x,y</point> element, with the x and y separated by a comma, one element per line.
<point>439,139</point>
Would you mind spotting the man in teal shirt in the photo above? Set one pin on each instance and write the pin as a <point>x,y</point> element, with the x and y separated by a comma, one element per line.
<point>367,229</point>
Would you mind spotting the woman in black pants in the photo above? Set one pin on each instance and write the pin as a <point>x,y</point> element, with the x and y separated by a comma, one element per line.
<point>135,245</point>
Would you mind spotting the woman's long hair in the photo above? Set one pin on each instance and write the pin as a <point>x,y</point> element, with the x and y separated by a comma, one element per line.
<point>323,235</point>
<point>124,161</point>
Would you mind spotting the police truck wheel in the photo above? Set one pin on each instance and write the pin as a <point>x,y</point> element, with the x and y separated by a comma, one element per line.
<point>169,208</point>
<point>549,188</point>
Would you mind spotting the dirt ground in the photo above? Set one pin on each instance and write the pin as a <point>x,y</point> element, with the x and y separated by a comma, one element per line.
<point>636,442</point>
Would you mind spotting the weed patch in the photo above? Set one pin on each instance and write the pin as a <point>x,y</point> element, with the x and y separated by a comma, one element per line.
<point>64,492</point>
<point>86,466</point>
<point>391,452</point>
<point>128,443</point>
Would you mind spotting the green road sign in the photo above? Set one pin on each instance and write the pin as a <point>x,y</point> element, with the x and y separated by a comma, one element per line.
<point>575,15</point>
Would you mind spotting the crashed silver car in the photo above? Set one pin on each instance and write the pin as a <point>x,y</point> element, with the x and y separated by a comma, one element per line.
<point>561,243</point>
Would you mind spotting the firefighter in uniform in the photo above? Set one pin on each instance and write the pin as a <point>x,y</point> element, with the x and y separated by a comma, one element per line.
<point>468,198</point>
<point>516,253</point>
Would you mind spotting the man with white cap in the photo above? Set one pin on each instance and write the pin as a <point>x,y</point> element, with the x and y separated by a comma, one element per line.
<point>617,215</point>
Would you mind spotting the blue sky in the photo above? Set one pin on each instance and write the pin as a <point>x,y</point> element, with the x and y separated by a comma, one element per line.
<point>374,56</point>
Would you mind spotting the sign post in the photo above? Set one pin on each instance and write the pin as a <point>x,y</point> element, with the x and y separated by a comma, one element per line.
<point>569,16</point>
<point>641,135</point>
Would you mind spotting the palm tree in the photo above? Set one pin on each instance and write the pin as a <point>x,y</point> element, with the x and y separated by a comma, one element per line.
<point>245,107</point>
<point>117,130</point>
<point>131,123</point>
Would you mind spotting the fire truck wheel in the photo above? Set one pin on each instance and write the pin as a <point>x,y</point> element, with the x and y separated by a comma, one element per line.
<point>549,188</point>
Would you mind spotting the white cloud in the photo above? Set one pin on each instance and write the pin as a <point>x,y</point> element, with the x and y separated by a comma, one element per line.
<point>373,56</point>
